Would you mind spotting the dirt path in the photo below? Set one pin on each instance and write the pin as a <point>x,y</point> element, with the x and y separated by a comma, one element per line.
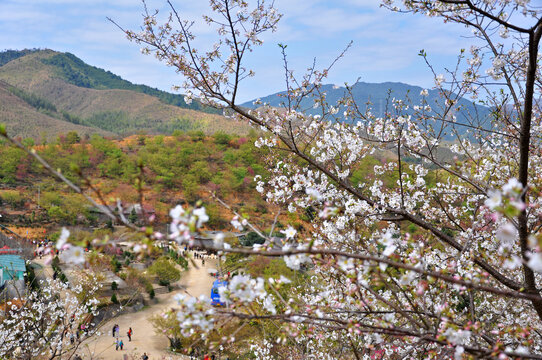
<point>144,339</point>
<point>46,271</point>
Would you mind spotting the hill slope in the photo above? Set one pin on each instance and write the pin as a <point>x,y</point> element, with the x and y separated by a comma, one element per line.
<point>106,102</point>
<point>23,120</point>
<point>76,72</point>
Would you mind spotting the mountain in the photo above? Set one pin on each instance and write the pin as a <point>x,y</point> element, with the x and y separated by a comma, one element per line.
<point>76,72</point>
<point>378,97</point>
<point>63,87</point>
<point>24,120</point>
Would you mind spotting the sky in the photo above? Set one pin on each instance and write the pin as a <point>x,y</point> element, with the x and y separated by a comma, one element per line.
<point>385,44</point>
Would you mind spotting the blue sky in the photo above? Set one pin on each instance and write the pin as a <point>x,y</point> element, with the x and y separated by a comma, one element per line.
<point>385,44</point>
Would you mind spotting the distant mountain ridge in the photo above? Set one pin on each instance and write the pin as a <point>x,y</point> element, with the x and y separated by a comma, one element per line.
<point>378,97</point>
<point>75,71</point>
<point>62,87</point>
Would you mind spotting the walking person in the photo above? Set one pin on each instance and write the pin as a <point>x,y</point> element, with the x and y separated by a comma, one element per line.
<point>129,333</point>
<point>121,344</point>
<point>113,331</point>
<point>144,357</point>
<point>117,345</point>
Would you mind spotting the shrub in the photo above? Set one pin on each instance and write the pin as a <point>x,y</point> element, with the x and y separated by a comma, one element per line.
<point>31,278</point>
<point>178,259</point>
<point>190,186</point>
<point>55,264</point>
<point>165,270</point>
<point>133,216</point>
<point>182,261</point>
<point>98,262</point>
<point>221,138</point>
<point>115,264</point>
<point>72,138</point>
<point>200,170</point>
<point>12,197</point>
<point>252,238</point>
<point>57,214</point>
<point>136,278</point>
<point>216,217</point>
<point>114,285</point>
<point>114,299</point>
<point>196,135</point>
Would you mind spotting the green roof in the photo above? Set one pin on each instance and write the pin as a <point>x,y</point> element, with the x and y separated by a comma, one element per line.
<point>12,263</point>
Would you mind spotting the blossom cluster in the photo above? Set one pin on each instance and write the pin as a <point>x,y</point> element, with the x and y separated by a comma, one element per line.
<point>195,314</point>
<point>38,323</point>
<point>412,245</point>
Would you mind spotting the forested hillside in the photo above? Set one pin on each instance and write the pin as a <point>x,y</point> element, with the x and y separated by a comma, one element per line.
<point>27,115</point>
<point>176,169</point>
<point>62,87</point>
<point>75,71</point>
<point>8,55</point>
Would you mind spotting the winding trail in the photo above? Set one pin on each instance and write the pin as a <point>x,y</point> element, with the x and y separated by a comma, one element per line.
<point>195,282</point>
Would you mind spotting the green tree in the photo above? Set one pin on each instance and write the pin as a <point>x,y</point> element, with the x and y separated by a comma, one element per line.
<point>165,270</point>
<point>252,238</point>
<point>115,264</point>
<point>133,216</point>
<point>190,187</point>
<point>221,138</point>
<point>114,299</point>
<point>73,138</point>
<point>200,169</point>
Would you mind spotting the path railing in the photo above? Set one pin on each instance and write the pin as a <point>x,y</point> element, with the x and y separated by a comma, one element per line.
<point>16,242</point>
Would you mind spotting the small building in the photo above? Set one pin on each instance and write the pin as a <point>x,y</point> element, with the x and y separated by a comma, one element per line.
<point>6,250</point>
<point>12,267</point>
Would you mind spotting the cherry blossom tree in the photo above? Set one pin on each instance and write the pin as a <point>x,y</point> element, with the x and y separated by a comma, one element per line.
<point>426,256</point>
<point>433,258</point>
<point>46,323</point>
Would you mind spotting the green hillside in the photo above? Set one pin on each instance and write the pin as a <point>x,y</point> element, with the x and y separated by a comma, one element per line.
<point>181,168</point>
<point>75,71</point>
<point>8,55</point>
<point>63,87</point>
<point>29,116</point>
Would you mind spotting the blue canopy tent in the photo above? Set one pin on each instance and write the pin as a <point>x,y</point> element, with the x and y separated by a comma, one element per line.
<point>215,295</point>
